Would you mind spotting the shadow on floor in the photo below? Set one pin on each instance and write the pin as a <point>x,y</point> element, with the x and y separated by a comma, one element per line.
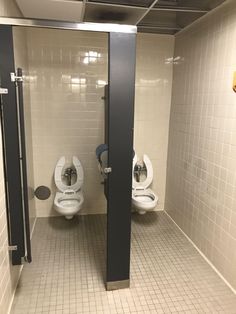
<point>148,219</point>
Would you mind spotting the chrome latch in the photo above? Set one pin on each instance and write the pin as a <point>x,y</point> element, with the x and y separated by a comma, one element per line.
<point>3,91</point>
<point>12,248</point>
<point>107,170</point>
<point>15,78</point>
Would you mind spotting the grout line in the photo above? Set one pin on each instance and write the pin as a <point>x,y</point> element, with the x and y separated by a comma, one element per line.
<point>203,255</point>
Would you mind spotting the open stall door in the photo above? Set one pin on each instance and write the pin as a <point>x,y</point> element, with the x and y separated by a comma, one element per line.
<point>14,152</point>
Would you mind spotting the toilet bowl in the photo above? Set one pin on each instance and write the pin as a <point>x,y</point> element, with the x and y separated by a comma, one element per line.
<point>69,199</point>
<point>143,198</point>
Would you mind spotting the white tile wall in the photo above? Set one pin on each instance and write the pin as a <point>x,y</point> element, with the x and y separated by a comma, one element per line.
<point>8,273</point>
<point>67,108</point>
<point>152,104</point>
<point>201,175</point>
<point>68,118</point>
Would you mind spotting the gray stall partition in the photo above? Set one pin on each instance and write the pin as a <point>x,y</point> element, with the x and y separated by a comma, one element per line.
<point>120,155</point>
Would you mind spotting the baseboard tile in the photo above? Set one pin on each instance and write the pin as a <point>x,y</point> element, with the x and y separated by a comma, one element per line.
<point>79,214</point>
<point>21,268</point>
<point>32,231</point>
<point>159,210</point>
<point>13,295</point>
<point>203,255</point>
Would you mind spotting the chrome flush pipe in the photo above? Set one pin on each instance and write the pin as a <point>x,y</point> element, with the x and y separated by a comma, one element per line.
<point>69,172</point>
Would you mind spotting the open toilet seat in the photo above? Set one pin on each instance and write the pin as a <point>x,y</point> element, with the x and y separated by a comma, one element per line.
<point>59,173</point>
<point>68,201</point>
<point>143,198</point>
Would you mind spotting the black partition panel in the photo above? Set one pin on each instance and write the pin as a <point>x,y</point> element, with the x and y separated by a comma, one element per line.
<point>122,50</point>
<point>11,153</point>
<point>23,161</point>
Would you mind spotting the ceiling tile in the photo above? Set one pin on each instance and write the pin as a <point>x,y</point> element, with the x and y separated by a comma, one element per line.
<point>194,4</point>
<point>62,10</point>
<point>159,18</point>
<point>138,3</point>
<point>112,14</point>
<point>154,30</point>
<point>169,19</point>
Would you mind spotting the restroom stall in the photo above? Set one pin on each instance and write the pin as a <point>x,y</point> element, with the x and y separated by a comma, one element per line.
<point>36,110</point>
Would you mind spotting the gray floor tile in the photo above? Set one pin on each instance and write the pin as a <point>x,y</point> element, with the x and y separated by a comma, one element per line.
<point>167,274</point>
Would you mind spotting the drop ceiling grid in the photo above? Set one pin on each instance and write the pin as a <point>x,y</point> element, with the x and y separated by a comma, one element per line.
<point>155,16</point>
<point>185,14</point>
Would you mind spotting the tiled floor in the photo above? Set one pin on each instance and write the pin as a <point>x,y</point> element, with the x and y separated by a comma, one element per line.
<point>167,273</point>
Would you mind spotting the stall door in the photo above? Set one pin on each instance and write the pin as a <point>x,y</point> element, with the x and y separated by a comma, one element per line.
<point>14,154</point>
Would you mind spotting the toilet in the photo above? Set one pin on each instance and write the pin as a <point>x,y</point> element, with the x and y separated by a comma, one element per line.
<point>69,199</point>
<point>143,198</point>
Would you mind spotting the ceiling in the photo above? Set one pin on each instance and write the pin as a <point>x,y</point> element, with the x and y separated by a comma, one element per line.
<point>152,16</point>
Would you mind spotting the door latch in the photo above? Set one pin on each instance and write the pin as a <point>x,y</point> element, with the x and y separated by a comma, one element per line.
<point>107,170</point>
<point>12,248</point>
<point>3,91</point>
<point>15,78</point>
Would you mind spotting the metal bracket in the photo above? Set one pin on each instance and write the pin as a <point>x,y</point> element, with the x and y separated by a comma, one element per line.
<point>3,91</point>
<point>15,78</point>
<point>12,248</point>
<point>107,170</point>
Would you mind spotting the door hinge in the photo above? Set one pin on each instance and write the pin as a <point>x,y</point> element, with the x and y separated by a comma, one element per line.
<point>107,170</point>
<point>15,78</point>
<point>12,248</point>
<point>3,91</point>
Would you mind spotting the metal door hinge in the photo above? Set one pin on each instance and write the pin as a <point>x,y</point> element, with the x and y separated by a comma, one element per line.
<point>15,78</point>
<point>12,248</point>
<point>107,170</point>
<point>3,91</point>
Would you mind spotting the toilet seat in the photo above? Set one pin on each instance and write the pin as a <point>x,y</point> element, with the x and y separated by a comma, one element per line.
<point>143,198</point>
<point>147,182</point>
<point>68,201</point>
<point>58,175</point>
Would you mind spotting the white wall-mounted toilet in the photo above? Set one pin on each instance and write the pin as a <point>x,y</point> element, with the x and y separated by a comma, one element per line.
<point>69,200</point>
<point>143,198</point>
